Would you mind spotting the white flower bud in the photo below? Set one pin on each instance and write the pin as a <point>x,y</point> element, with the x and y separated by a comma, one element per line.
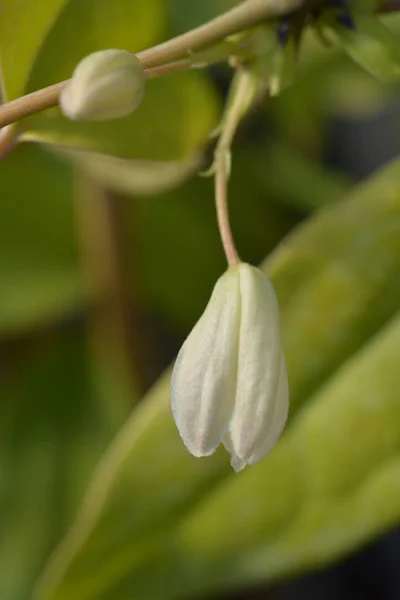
<point>229,383</point>
<point>108,84</point>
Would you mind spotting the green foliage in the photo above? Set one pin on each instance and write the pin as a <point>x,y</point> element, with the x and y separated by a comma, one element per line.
<point>371,45</point>
<point>170,130</point>
<point>52,432</point>
<point>126,24</point>
<point>316,495</point>
<point>20,42</point>
<point>184,16</point>
<point>39,273</point>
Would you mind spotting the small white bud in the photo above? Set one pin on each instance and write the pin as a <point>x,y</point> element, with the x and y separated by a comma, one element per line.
<point>229,383</point>
<point>108,84</point>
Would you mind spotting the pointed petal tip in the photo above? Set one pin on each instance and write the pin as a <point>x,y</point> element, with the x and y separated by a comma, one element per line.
<point>237,464</point>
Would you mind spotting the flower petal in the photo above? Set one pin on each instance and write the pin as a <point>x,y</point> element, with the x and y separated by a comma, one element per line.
<point>273,430</point>
<point>258,362</point>
<point>108,84</point>
<point>237,463</point>
<point>204,377</point>
<point>275,427</point>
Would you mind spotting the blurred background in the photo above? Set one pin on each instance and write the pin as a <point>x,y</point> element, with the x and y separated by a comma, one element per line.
<point>105,265</point>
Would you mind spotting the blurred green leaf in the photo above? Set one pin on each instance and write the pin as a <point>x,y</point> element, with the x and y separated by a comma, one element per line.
<point>370,44</point>
<point>85,27</point>
<point>187,15</point>
<point>158,523</point>
<point>336,277</point>
<point>309,185</point>
<point>351,93</point>
<point>331,484</point>
<point>39,276</point>
<point>329,84</point>
<point>52,432</point>
<point>133,177</point>
<point>23,27</point>
<point>169,130</point>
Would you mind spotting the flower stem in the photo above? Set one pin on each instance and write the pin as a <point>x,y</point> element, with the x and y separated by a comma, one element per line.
<point>240,98</point>
<point>221,202</point>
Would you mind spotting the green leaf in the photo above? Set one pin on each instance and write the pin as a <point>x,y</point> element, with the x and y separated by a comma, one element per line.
<point>184,15</point>
<point>158,523</point>
<point>39,276</point>
<point>331,484</point>
<point>356,298</point>
<point>169,130</point>
<point>329,85</point>
<point>94,25</point>
<point>23,27</point>
<point>370,44</point>
<point>309,186</point>
<point>133,177</point>
<point>52,432</point>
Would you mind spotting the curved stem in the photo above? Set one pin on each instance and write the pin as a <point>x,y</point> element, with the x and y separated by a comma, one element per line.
<point>247,14</point>
<point>241,97</point>
<point>221,202</point>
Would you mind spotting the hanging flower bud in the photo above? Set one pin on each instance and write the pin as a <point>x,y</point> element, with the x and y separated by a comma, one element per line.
<point>108,84</point>
<point>229,383</point>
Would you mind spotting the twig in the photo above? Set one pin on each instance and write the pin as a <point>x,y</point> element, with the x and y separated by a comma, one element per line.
<point>243,16</point>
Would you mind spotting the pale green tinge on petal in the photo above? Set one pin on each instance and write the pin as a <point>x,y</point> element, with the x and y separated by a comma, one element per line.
<point>108,84</point>
<point>275,427</point>
<point>259,358</point>
<point>237,463</point>
<point>204,377</point>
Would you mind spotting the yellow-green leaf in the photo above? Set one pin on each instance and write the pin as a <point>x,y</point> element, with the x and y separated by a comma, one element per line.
<point>370,44</point>
<point>85,27</point>
<point>331,484</point>
<point>158,523</point>
<point>39,274</point>
<point>23,28</point>
<point>134,177</point>
<point>169,130</point>
<point>53,429</point>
